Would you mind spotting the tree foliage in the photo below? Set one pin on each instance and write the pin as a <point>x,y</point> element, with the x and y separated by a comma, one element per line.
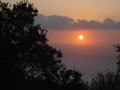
<point>117,47</point>
<point>106,81</point>
<point>27,61</point>
<point>109,80</point>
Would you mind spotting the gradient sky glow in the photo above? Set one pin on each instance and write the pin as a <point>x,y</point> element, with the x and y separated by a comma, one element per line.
<point>83,9</point>
<point>79,9</point>
<point>94,54</point>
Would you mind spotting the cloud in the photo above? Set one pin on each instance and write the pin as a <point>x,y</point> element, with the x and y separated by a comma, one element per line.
<point>62,22</point>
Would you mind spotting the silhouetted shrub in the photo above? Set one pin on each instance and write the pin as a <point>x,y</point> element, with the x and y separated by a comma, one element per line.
<point>117,47</point>
<point>109,80</point>
<point>106,81</point>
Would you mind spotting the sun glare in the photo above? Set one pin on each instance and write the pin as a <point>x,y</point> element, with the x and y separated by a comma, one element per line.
<point>81,37</point>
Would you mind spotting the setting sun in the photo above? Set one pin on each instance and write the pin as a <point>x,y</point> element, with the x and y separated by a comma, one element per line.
<point>81,37</point>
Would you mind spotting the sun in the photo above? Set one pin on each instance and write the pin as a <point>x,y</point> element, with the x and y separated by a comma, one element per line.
<point>81,37</point>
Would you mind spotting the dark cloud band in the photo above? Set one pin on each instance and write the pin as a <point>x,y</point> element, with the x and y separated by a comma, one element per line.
<point>61,22</point>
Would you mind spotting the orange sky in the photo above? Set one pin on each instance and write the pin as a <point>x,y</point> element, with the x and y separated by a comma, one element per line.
<point>91,37</point>
<point>82,9</point>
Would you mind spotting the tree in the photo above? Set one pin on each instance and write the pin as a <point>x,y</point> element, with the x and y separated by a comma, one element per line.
<point>117,47</point>
<point>106,81</point>
<point>27,61</point>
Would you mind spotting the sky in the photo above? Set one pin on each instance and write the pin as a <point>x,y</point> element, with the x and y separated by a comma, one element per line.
<point>78,9</point>
<point>97,20</point>
<point>83,9</point>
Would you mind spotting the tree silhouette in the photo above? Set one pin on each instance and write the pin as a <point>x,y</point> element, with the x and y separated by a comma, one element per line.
<point>106,81</point>
<point>109,80</point>
<point>27,61</point>
<point>117,47</point>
